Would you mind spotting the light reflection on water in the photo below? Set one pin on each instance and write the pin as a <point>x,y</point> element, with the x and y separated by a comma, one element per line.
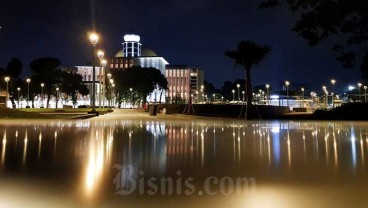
<point>84,152</point>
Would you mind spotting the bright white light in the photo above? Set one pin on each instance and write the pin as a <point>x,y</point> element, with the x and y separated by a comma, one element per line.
<point>351,87</point>
<point>132,38</point>
<point>274,97</point>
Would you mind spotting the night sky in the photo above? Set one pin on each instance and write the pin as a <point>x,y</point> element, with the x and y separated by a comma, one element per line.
<point>191,32</point>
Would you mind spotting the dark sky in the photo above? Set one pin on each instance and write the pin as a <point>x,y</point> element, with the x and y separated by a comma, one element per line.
<point>191,32</point>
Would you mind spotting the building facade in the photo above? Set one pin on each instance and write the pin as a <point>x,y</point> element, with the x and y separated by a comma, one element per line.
<point>184,83</point>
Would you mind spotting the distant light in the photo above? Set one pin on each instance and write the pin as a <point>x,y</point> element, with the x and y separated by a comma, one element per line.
<point>351,87</point>
<point>275,130</point>
<point>274,97</point>
<point>132,38</point>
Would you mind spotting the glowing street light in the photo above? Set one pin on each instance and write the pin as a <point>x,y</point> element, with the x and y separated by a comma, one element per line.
<point>100,55</point>
<point>302,103</point>
<point>42,85</point>
<point>326,95</point>
<point>359,85</point>
<point>57,97</point>
<point>287,83</point>
<point>238,86</point>
<point>94,39</point>
<point>233,91</point>
<point>28,80</point>
<point>103,64</point>
<point>18,89</point>
<point>7,90</point>
<point>243,92</point>
<point>365,93</point>
<point>268,93</point>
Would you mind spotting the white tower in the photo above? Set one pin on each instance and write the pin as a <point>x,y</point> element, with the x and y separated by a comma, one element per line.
<point>131,45</point>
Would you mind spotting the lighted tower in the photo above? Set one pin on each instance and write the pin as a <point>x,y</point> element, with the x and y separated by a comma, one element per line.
<point>131,45</point>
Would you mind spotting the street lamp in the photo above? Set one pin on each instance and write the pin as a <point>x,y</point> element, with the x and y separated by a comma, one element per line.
<point>365,93</point>
<point>233,91</point>
<point>302,89</point>
<point>202,92</point>
<point>238,86</point>
<point>103,64</point>
<point>100,55</point>
<point>18,89</point>
<point>359,85</point>
<point>326,95</point>
<point>268,93</point>
<point>94,39</point>
<point>214,97</point>
<point>287,83</point>
<point>28,80</point>
<point>112,92</point>
<point>7,91</point>
<point>243,92</point>
<point>57,97</point>
<point>42,85</point>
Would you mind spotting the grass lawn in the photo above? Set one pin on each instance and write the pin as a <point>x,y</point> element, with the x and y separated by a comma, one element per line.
<point>66,110</point>
<point>39,113</point>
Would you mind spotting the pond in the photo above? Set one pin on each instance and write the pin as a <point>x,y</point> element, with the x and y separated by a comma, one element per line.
<point>180,163</point>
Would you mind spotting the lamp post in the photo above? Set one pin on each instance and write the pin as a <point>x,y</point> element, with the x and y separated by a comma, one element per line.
<point>238,86</point>
<point>42,85</point>
<point>7,91</point>
<point>302,102</point>
<point>111,84</point>
<point>268,93</point>
<point>109,93</point>
<point>243,92</point>
<point>57,97</point>
<point>214,97</point>
<point>100,55</point>
<point>365,93</point>
<point>202,92</point>
<point>18,89</point>
<point>287,83</point>
<point>103,64</point>
<point>131,96</point>
<point>326,95</point>
<point>359,85</point>
<point>28,80</point>
<point>112,93</point>
<point>233,91</point>
<point>94,39</point>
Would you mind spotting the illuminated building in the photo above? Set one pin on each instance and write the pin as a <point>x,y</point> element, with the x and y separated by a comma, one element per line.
<point>183,82</point>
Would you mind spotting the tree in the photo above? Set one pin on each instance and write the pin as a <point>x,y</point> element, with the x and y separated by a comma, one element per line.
<point>143,81</point>
<point>13,70</point>
<point>72,84</point>
<point>320,20</point>
<point>247,55</point>
<point>46,70</point>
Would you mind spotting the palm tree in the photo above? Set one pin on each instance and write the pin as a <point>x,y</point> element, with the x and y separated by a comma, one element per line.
<point>247,55</point>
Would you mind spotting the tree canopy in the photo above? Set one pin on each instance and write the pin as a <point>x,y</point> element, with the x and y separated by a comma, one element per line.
<point>320,20</point>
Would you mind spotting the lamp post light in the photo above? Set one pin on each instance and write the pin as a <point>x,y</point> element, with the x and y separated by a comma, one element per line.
<point>214,97</point>
<point>243,92</point>
<point>359,85</point>
<point>287,83</point>
<point>28,80</point>
<point>202,92</point>
<point>18,89</point>
<point>57,97</point>
<point>42,85</point>
<point>94,39</point>
<point>365,93</point>
<point>302,102</point>
<point>100,55</point>
<point>103,64</point>
<point>233,91</point>
<point>268,93</point>
<point>238,86</point>
<point>7,91</point>
<point>326,95</point>
<point>112,93</point>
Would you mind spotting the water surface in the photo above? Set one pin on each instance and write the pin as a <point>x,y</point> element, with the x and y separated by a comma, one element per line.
<point>152,163</point>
